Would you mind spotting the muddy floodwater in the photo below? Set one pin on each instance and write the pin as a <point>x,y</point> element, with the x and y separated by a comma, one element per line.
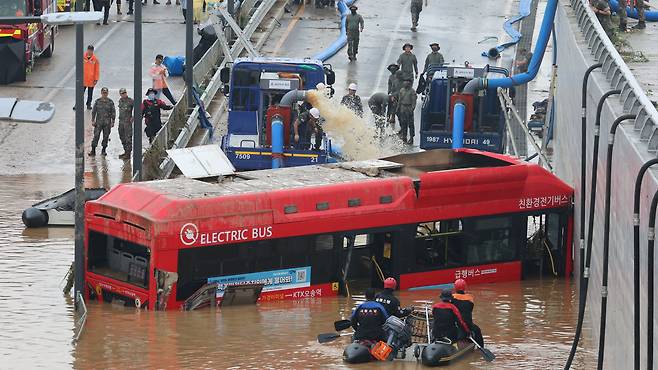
<point>528,324</point>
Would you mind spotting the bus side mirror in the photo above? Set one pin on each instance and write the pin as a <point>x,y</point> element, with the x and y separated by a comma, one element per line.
<point>225,75</point>
<point>331,76</point>
<point>225,90</point>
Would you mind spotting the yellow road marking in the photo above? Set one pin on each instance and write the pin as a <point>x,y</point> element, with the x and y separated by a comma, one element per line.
<point>292,24</point>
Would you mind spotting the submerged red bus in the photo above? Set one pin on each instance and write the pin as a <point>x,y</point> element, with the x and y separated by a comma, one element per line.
<point>424,218</point>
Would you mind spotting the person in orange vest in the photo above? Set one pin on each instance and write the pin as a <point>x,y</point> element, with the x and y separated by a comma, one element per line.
<point>91,68</point>
<point>159,74</point>
<point>464,303</point>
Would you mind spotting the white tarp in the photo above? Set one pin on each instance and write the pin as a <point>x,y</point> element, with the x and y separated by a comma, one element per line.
<point>202,161</point>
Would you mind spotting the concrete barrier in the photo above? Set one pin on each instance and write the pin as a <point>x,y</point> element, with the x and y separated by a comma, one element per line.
<point>577,51</point>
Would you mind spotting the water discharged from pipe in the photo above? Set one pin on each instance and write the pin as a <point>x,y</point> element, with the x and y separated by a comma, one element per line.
<point>357,137</point>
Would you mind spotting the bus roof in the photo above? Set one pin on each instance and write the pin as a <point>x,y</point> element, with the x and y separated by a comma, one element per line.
<point>487,182</point>
<point>277,60</point>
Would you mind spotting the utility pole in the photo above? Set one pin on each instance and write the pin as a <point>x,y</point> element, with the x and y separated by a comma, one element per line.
<point>137,95</point>
<point>79,161</point>
<point>189,53</point>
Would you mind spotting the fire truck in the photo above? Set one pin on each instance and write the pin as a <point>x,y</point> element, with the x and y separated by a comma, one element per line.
<point>22,44</point>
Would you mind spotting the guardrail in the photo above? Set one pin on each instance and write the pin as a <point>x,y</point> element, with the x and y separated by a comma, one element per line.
<point>80,323</point>
<point>633,97</point>
<point>511,113</point>
<point>178,130</point>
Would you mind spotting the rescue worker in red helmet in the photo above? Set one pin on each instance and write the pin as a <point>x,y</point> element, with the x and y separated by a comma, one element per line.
<point>368,319</point>
<point>464,303</point>
<point>389,301</point>
<point>448,322</point>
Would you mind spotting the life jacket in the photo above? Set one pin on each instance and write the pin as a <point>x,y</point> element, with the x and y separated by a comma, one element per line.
<point>446,318</point>
<point>465,305</point>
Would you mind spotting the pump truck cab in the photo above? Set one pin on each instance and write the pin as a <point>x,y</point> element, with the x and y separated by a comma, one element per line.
<point>21,44</point>
<point>484,123</point>
<point>260,123</point>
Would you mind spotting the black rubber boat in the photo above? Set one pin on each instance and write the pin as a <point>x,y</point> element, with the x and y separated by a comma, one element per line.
<point>443,352</point>
<point>58,210</point>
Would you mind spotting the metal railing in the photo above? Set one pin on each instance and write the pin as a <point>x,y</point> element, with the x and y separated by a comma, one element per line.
<point>178,131</point>
<point>512,114</point>
<point>80,323</point>
<point>633,97</point>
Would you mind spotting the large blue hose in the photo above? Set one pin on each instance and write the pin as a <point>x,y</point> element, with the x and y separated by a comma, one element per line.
<point>341,41</point>
<point>535,61</point>
<point>458,116</point>
<point>632,12</point>
<point>508,26</point>
<point>277,143</point>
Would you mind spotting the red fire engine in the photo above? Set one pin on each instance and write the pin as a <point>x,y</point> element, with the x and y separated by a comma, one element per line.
<point>21,44</point>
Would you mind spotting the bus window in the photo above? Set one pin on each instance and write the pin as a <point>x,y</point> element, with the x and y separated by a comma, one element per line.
<point>490,240</point>
<point>360,240</point>
<point>118,259</point>
<point>439,244</point>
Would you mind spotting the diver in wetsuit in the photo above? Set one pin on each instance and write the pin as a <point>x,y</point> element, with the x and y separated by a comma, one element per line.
<point>389,301</point>
<point>465,305</point>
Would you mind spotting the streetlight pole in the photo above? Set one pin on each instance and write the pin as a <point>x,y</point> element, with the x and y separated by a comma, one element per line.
<point>79,267</point>
<point>189,53</point>
<point>137,95</point>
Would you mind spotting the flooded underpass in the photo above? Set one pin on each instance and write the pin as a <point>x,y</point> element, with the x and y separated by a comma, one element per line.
<point>527,324</point>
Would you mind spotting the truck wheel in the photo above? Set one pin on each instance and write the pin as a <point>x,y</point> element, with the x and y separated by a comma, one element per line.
<point>49,51</point>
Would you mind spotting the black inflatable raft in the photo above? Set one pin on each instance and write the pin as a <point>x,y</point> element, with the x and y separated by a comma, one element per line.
<point>443,352</point>
<point>57,210</point>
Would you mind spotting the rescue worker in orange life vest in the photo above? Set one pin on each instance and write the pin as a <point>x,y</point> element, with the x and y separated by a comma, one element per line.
<point>465,305</point>
<point>389,301</point>
<point>448,322</point>
<point>368,319</point>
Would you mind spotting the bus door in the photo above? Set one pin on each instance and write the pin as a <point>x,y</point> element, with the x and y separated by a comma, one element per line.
<point>365,260</point>
<point>546,252</point>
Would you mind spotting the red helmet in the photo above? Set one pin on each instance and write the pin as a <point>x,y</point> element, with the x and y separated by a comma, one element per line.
<point>460,284</point>
<point>390,283</point>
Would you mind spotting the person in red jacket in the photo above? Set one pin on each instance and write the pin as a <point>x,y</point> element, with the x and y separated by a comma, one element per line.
<point>448,322</point>
<point>151,107</point>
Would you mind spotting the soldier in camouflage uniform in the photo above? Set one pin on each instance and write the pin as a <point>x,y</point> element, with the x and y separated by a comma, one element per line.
<point>103,115</point>
<point>416,8</point>
<point>434,57</point>
<point>408,63</point>
<point>353,26</point>
<point>394,86</point>
<point>406,106</point>
<point>125,123</point>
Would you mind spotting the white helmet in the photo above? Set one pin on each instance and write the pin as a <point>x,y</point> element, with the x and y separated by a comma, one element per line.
<point>315,112</point>
<point>352,86</point>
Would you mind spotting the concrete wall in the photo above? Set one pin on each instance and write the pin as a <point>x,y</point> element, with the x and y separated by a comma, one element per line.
<point>629,154</point>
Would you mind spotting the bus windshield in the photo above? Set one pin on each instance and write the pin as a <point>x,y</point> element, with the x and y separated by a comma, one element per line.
<point>118,259</point>
<point>12,8</point>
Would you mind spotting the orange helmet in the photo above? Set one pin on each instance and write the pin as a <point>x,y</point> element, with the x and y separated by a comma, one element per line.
<point>390,283</point>
<point>460,284</point>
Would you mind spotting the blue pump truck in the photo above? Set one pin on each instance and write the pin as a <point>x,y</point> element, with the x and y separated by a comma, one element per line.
<point>484,124</point>
<point>263,95</point>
